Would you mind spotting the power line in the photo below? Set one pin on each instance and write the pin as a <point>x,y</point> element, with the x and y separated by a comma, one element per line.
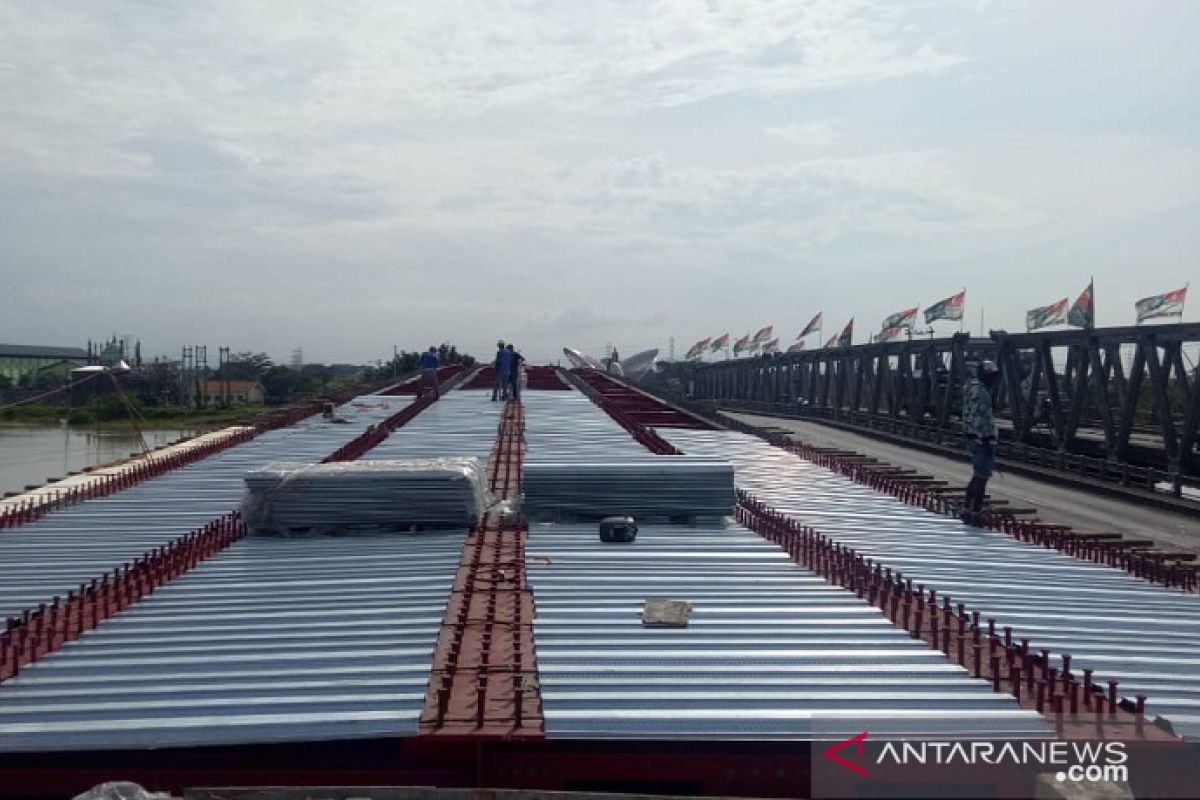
<point>51,393</point>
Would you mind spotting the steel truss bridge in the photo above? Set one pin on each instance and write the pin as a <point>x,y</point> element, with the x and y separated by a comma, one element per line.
<point>1116,403</point>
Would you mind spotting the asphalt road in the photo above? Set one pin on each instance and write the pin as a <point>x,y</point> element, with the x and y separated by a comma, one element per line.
<point>1083,511</point>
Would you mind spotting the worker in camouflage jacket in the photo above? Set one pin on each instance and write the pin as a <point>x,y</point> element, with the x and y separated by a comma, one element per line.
<point>979,426</point>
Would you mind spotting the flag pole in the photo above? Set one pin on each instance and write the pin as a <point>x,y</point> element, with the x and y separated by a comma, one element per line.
<point>961,316</point>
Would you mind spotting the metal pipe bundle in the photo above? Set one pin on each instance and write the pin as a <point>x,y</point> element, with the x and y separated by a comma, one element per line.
<point>649,486</point>
<point>288,498</point>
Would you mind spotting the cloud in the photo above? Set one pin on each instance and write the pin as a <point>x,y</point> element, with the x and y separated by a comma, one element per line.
<point>815,134</point>
<point>276,174</point>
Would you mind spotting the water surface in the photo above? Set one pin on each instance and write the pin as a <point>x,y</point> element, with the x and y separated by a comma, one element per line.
<point>29,454</point>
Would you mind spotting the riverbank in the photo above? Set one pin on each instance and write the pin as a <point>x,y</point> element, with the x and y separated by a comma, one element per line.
<point>47,490</point>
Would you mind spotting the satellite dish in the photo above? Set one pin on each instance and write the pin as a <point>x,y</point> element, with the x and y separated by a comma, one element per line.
<point>639,364</point>
<point>579,360</point>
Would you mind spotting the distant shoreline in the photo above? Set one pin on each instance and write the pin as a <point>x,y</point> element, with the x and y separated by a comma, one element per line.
<point>154,418</point>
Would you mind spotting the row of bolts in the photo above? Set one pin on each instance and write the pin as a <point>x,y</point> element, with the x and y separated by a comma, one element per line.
<point>907,606</point>
<point>845,567</point>
<point>375,434</point>
<point>508,572</point>
<point>104,485</point>
<point>641,434</point>
<point>1056,537</point>
<point>38,632</point>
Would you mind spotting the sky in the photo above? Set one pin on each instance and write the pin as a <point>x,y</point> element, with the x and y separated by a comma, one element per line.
<point>349,177</point>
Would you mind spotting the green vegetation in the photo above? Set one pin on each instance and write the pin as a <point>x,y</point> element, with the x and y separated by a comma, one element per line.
<point>153,390</point>
<point>405,363</point>
<point>108,412</point>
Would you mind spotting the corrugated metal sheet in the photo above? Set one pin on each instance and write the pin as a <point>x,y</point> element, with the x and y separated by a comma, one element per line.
<point>1145,636</point>
<point>461,423</point>
<point>54,554</point>
<point>568,425</point>
<point>273,640</point>
<point>772,651</point>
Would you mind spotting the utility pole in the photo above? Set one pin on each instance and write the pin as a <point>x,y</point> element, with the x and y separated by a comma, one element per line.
<point>223,368</point>
<point>185,374</point>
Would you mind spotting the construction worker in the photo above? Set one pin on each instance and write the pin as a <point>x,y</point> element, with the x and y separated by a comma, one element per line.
<point>514,372</point>
<point>979,426</point>
<point>429,368</point>
<point>500,366</point>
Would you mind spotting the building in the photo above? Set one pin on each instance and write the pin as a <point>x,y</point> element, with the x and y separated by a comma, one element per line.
<point>27,365</point>
<point>232,392</point>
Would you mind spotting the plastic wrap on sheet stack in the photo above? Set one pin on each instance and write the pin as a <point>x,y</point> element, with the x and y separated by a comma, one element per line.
<point>289,498</point>
<point>654,486</point>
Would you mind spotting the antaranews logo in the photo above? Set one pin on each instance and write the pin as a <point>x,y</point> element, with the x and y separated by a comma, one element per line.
<point>1073,761</point>
<point>832,753</point>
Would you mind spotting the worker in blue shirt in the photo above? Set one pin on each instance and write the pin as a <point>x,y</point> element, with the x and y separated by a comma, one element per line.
<point>500,365</point>
<point>429,367</point>
<point>514,372</point>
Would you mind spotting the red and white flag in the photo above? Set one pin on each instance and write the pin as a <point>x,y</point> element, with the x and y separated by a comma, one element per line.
<point>901,319</point>
<point>846,337</point>
<point>1161,305</point>
<point>796,347</point>
<point>814,324</point>
<point>697,349</point>
<point>763,334</point>
<point>718,343</point>
<point>1045,316</point>
<point>889,334</point>
<point>950,308</point>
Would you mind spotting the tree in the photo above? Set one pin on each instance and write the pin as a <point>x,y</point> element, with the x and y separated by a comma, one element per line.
<point>280,383</point>
<point>244,367</point>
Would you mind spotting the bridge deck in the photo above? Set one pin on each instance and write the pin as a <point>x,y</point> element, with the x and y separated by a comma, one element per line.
<point>1084,511</point>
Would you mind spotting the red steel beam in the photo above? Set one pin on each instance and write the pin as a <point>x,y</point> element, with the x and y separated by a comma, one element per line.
<point>484,677</point>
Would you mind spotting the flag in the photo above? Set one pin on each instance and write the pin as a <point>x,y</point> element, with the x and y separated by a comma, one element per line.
<point>847,334</point>
<point>771,346</point>
<point>888,334</point>
<point>796,347</point>
<point>1083,313</point>
<point>741,344</point>
<point>763,334</point>
<point>1045,316</point>
<point>901,319</point>
<point>832,341</point>
<point>950,308</point>
<point>813,324</point>
<point>1161,305</point>
<point>697,349</point>
<point>719,343</point>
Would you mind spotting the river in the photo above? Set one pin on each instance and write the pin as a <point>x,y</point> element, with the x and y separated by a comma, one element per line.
<point>29,454</point>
